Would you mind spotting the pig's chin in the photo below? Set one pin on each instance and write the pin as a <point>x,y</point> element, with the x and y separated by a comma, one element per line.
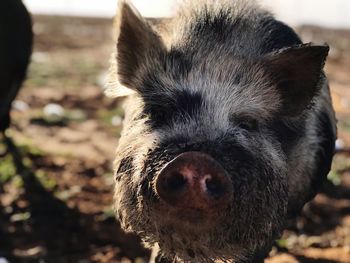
<point>202,236</point>
<point>197,237</point>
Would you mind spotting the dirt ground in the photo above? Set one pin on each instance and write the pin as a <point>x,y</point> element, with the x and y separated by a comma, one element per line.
<point>56,190</point>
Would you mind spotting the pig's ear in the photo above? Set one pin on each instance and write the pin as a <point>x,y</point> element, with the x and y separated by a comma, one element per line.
<point>137,45</point>
<point>297,72</point>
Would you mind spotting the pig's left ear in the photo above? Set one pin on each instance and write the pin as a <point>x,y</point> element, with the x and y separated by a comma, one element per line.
<point>137,45</point>
<point>297,73</point>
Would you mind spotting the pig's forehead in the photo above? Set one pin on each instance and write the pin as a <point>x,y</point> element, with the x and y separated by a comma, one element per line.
<point>257,98</point>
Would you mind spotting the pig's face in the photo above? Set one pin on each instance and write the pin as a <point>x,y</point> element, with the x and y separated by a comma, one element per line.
<point>201,165</point>
<point>200,189</point>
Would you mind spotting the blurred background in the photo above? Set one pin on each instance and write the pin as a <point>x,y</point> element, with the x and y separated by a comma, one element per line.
<point>55,201</point>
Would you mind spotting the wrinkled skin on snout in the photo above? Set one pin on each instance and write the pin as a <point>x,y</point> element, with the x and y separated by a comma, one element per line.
<point>229,129</point>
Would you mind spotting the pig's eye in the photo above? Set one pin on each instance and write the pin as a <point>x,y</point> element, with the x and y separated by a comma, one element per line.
<point>247,123</point>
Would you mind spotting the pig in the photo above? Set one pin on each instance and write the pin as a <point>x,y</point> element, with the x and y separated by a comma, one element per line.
<point>229,129</point>
<point>15,50</point>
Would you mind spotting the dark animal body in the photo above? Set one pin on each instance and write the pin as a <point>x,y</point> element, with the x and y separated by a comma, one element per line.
<point>15,49</point>
<point>229,129</point>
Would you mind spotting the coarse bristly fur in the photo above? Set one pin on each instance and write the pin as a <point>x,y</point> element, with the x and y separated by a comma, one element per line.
<point>226,79</point>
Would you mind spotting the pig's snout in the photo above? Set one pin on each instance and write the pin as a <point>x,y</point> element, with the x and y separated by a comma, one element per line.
<point>194,180</point>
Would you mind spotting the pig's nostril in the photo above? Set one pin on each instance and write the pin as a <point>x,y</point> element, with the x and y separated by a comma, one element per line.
<point>214,187</point>
<point>176,182</point>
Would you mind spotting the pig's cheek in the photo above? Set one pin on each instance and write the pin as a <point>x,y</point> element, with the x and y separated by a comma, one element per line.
<point>124,203</point>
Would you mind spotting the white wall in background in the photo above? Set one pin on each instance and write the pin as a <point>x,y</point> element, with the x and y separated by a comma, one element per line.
<point>98,8</point>
<point>329,13</point>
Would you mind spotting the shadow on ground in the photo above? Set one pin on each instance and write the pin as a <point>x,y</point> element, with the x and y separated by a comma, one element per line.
<point>56,233</point>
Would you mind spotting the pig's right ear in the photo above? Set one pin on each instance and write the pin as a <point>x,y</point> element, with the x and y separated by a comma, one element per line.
<point>137,45</point>
<point>297,73</point>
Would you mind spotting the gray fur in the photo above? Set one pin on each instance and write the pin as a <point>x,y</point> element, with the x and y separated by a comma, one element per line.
<point>238,64</point>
